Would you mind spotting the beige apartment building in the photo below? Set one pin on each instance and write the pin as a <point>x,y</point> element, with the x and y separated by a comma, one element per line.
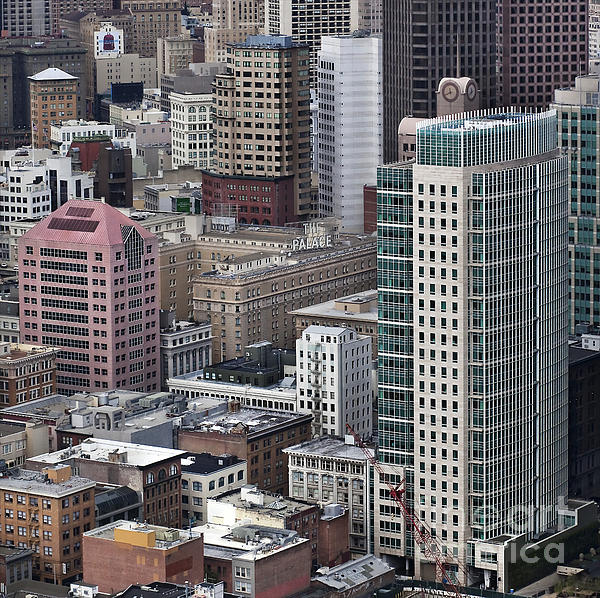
<point>153,20</point>
<point>232,22</point>
<point>262,121</point>
<point>127,68</point>
<point>249,298</point>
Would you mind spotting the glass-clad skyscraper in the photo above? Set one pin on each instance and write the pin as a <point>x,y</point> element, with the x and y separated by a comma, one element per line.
<point>473,328</point>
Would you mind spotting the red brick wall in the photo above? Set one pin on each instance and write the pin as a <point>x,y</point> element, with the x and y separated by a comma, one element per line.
<point>113,566</point>
<point>334,547</point>
<point>283,573</point>
<point>370,208</point>
<point>219,570</point>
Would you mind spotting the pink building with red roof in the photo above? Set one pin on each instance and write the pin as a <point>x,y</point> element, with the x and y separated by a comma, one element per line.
<point>88,279</point>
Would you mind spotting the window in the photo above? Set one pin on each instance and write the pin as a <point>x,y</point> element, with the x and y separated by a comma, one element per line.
<point>48,550</point>
<point>47,519</point>
<point>243,586</point>
<point>197,486</point>
<point>149,478</point>
<point>173,470</point>
<point>211,485</point>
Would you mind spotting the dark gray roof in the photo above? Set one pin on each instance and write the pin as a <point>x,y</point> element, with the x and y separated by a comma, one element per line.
<point>577,354</point>
<point>116,499</point>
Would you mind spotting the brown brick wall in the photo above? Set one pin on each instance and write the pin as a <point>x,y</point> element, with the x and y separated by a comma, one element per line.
<point>283,573</point>
<point>334,547</point>
<point>135,564</point>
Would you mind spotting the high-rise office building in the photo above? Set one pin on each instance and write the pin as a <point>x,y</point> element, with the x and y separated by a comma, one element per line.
<point>578,111</point>
<point>308,22</point>
<point>21,58</point>
<point>261,132</point>
<point>426,41</point>
<point>539,50</point>
<point>24,19</point>
<point>473,329</point>
<point>88,279</point>
<point>153,20</point>
<point>349,97</point>
<point>232,22</point>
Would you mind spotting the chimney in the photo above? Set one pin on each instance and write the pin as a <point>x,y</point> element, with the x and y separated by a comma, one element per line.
<point>58,473</point>
<point>233,406</point>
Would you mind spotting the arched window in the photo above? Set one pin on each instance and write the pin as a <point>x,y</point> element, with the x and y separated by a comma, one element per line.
<point>162,474</point>
<point>202,109</point>
<point>267,222</point>
<point>192,110</point>
<point>173,470</point>
<point>149,478</point>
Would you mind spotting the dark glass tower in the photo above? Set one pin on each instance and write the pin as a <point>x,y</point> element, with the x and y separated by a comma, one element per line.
<point>424,41</point>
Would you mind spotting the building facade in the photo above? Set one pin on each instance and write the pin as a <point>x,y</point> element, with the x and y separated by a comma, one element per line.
<point>461,358</point>
<point>68,284</point>
<point>350,107</point>
<point>334,380</point>
<point>151,22</point>
<point>205,476</point>
<point>22,57</point>
<point>358,312</point>
<point>184,347</point>
<point>48,512</point>
<point>249,140</point>
<point>132,550</point>
<point>536,56</point>
<point>53,99</point>
<point>19,20</point>
<point>27,372</point>
<point>420,47</point>
<point>191,129</point>
<point>256,436</point>
<point>308,23</point>
<point>578,109</point>
<point>330,470</point>
<point>232,22</point>
<point>174,54</point>
<point>248,299</point>
<point>153,472</point>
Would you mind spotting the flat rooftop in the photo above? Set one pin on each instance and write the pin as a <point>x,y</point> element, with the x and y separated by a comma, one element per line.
<point>274,505</point>
<point>577,354</point>
<point>98,449</point>
<point>254,420</point>
<point>204,463</point>
<point>9,428</point>
<point>35,482</point>
<point>328,446</point>
<point>248,542</point>
<point>166,538</point>
<point>335,309</point>
<point>353,573</point>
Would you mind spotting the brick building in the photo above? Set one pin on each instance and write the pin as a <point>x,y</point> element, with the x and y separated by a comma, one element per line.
<point>153,472</point>
<point>141,552</point>
<point>277,570</point>
<point>27,372</point>
<point>253,435</point>
<point>52,99</point>
<point>334,545</point>
<point>254,200</point>
<point>16,564</point>
<point>48,511</point>
<point>248,504</point>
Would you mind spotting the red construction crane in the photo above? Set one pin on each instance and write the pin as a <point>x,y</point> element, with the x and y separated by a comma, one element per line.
<point>420,529</point>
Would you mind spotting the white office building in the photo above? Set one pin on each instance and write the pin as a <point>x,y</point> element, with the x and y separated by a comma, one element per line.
<point>191,128</point>
<point>63,134</point>
<point>333,380</point>
<point>473,331</point>
<point>350,125</point>
<point>34,189</point>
